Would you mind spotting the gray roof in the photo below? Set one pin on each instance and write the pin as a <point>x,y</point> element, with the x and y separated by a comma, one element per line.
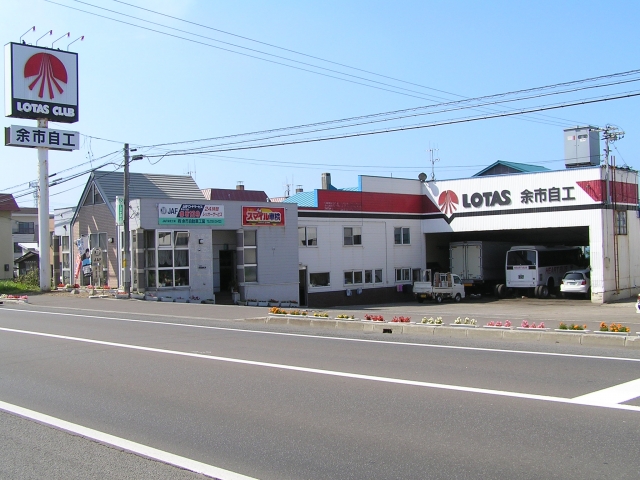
<point>110,184</point>
<point>146,185</point>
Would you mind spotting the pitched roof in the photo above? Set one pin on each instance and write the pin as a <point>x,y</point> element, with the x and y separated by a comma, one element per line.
<point>304,199</point>
<point>145,185</point>
<point>503,168</point>
<point>234,194</point>
<point>8,203</point>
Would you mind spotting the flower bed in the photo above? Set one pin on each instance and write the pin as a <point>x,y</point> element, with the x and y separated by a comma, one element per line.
<point>574,328</point>
<point>525,325</point>
<point>463,322</point>
<point>614,328</point>
<point>401,319</point>
<point>344,316</point>
<point>432,321</point>
<point>373,318</point>
<point>498,324</point>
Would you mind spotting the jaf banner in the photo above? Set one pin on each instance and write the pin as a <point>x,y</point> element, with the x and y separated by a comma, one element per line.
<point>190,214</point>
<point>36,137</point>
<point>263,216</point>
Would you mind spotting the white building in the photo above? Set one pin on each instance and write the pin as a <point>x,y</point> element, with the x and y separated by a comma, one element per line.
<point>362,245</point>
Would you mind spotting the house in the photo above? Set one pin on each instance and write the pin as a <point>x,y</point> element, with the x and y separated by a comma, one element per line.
<point>8,205</point>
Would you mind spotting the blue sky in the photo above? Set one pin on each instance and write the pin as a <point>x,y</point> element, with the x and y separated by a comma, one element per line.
<point>146,88</point>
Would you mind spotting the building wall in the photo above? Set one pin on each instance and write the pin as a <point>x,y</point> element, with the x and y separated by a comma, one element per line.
<point>97,219</point>
<point>377,251</point>
<point>6,246</point>
<point>276,250</point>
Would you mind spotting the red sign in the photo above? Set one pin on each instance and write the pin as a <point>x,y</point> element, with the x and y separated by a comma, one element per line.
<point>263,216</point>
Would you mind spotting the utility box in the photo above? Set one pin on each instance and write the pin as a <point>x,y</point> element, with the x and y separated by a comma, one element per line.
<point>581,147</point>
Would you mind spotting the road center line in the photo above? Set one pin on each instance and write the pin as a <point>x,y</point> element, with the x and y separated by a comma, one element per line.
<point>318,371</point>
<point>321,337</point>
<point>138,448</point>
<point>612,395</point>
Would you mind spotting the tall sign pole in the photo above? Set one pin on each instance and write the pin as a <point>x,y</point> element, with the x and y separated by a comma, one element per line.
<point>41,84</point>
<point>43,214</point>
<point>126,260</point>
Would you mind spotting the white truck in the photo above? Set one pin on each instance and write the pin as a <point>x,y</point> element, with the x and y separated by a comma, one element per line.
<point>480,264</point>
<point>438,287</point>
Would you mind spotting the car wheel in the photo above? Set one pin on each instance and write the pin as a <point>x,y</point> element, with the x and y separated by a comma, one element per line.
<point>502,290</point>
<point>536,292</point>
<point>458,297</point>
<point>438,298</point>
<point>587,296</point>
<point>544,291</point>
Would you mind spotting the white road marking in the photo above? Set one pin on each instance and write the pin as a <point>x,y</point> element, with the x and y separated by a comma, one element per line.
<point>321,337</point>
<point>333,373</point>
<point>612,395</point>
<point>138,448</point>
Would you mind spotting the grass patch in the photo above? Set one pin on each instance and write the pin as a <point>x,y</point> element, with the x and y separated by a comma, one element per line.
<point>11,287</point>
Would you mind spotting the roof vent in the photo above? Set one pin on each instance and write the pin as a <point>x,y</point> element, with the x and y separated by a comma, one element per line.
<point>239,186</point>
<point>326,181</point>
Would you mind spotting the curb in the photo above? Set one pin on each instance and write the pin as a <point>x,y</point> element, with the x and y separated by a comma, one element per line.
<point>590,339</point>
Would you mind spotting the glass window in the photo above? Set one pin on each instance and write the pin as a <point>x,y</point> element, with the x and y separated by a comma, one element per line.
<point>164,239</point>
<point>357,276</point>
<point>151,258</point>
<point>378,276</point>
<point>250,256</point>
<point>401,236</point>
<point>319,279</point>
<point>165,278</point>
<point>65,243</point>
<point>165,258</point>
<point>368,277</point>
<point>352,236</point>
<point>302,236</point>
<point>65,261</point>
<point>621,222</point>
<point>17,248</point>
<point>250,238</point>
<point>26,227</point>
<point>149,239</point>
<point>181,239</point>
<point>182,277</point>
<point>250,273</point>
<point>181,258</point>
<point>403,274</point>
<point>312,236</point>
<point>348,278</point>
<point>97,198</point>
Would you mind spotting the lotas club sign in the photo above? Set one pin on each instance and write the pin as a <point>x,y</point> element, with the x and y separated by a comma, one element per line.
<point>41,83</point>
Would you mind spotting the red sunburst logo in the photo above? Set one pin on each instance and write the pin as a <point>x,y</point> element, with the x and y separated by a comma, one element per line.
<point>448,202</point>
<point>48,70</point>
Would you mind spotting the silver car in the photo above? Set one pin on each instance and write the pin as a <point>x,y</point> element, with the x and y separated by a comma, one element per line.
<point>576,282</point>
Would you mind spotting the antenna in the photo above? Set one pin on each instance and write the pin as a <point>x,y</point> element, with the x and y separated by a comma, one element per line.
<point>68,34</point>
<point>79,38</point>
<point>32,29</point>
<point>287,186</point>
<point>50,32</point>
<point>433,152</point>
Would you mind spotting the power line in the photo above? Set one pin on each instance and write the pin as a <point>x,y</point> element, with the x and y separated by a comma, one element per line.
<point>409,127</point>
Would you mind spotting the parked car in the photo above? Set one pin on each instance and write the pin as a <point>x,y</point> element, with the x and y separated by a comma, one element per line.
<point>576,282</point>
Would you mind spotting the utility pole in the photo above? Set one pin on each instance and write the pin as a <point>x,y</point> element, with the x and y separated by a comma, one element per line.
<point>126,260</point>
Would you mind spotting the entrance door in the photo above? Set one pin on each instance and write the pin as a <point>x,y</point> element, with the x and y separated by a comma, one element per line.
<point>227,270</point>
<point>303,287</point>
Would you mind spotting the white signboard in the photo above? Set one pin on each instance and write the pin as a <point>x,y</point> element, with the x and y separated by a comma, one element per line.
<point>41,83</point>
<point>34,137</point>
<point>190,214</point>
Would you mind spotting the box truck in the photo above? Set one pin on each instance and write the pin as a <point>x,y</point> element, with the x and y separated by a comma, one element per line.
<point>479,264</point>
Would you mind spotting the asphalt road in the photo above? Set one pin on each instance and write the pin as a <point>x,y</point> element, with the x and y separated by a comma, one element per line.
<point>279,402</point>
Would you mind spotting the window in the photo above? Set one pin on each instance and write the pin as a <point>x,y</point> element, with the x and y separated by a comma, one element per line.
<point>401,236</point>
<point>377,276</point>
<point>168,264</point>
<point>17,248</point>
<point>319,279</point>
<point>26,228</point>
<point>308,236</point>
<point>353,277</point>
<point>403,274</point>
<point>250,256</point>
<point>65,243</point>
<point>66,264</point>
<point>621,222</point>
<point>352,236</point>
<point>373,276</point>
